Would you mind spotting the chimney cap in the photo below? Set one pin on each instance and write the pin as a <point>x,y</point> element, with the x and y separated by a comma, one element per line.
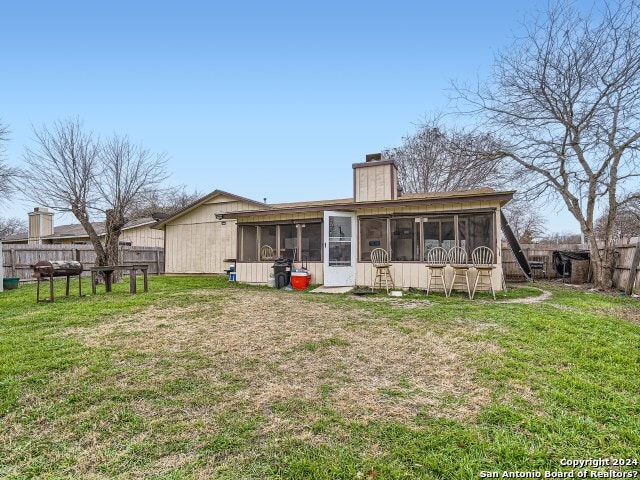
<point>41,210</point>
<point>373,157</point>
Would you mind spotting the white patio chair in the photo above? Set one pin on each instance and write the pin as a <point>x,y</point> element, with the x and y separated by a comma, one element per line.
<point>266,253</point>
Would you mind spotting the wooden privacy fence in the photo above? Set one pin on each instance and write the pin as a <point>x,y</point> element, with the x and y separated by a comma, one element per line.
<point>533,252</point>
<point>18,258</point>
<point>626,260</point>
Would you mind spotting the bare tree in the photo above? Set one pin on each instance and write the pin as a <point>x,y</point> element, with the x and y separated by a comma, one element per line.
<point>61,173</point>
<point>525,219</point>
<point>627,222</point>
<point>165,201</point>
<point>563,238</point>
<point>128,172</point>
<point>12,226</point>
<point>437,158</point>
<point>7,174</point>
<point>565,103</point>
<point>70,171</point>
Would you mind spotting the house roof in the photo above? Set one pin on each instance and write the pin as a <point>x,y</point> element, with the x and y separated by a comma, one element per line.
<point>410,199</point>
<point>75,230</point>
<point>216,193</point>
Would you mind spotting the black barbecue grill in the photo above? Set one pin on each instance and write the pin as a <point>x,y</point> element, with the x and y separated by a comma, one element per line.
<point>57,268</point>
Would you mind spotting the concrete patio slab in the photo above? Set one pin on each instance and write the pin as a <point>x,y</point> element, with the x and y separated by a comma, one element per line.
<point>324,289</point>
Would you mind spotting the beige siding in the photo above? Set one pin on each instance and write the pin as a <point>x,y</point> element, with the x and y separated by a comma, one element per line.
<point>258,272</point>
<point>40,225</point>
<point>426,209</point>
<point>415,275</point>
<point>143,236</point>
<point>405,275</point>
<point>281,218</point>
<point>374,183</point>
<point>197,242</point>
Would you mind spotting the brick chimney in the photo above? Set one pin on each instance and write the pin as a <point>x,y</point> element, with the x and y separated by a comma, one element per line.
<point>40,225</point>
<point>375,179</point>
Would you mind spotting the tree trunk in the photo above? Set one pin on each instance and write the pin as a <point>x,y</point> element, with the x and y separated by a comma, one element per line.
<point>601,263</point>
<point>114,223</point>
<point>83,218</point>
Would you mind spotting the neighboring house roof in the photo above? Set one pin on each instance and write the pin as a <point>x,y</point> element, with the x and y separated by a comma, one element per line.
<point>75,230</point>
<point>480,194</point>
<point>206,198</point>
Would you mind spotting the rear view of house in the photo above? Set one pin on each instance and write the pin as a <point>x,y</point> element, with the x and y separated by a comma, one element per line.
<point>335,238</point>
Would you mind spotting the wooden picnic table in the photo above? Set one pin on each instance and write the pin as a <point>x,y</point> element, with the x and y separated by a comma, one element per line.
<point>108,270</point>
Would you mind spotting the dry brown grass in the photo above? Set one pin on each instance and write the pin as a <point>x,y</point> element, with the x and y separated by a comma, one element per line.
<point>284,359</point>
<point>285,347</point>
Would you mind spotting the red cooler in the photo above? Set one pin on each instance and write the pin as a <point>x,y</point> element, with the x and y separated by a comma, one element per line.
<point>300,280</point>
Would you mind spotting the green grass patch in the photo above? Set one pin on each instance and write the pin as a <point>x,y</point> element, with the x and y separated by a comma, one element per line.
<point>131,386</point>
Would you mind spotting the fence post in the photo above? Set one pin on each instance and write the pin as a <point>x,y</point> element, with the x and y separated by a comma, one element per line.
<point>12,259</point>
<point>633,271</point>
<point>1,268</point>
<point>157,262</point>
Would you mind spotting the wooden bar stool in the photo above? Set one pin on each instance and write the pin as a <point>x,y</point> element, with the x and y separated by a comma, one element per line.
<point>482,258</point>
<point>436,263</point>
<point>380,261</point>
<point>460,265</point>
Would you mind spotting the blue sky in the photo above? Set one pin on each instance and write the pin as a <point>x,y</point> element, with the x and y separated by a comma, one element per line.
<point>261,99</point>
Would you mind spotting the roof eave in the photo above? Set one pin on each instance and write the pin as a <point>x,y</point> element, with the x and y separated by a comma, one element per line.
<point>160,225</point>
<point>502,197</point>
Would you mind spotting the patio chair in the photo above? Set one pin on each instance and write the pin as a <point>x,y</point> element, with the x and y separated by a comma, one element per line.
<point>380,261</point>
<point>482,258</point>
<point>459,263</point>
<point>266,253</point>
<point>436,263</point>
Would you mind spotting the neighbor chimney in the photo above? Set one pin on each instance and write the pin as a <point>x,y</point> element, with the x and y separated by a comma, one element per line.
<point>40,225</point>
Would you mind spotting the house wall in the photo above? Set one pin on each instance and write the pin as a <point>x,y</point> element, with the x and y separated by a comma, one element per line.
<point>414,274</point>
<point>143,236</point>
<point>405,274</point>
<point>197,242</point>
<point>258,272</point>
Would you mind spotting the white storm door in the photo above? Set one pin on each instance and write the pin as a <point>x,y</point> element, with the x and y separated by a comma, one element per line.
<point>340,249</point>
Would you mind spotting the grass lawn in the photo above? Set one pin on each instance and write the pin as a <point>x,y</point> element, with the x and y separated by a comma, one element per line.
<point>200,378</point>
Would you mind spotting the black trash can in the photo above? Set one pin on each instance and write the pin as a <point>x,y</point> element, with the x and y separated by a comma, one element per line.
<point>282,272</point>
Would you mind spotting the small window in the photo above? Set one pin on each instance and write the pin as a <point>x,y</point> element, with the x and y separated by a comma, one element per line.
<point>438,232</point>
<point>476,231</point>
<point>268,239</point>
<point>248,243</point>
<point>404,239</point>
<point>373,234</point>
<point>288,242</point>
<point>311,239</point>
